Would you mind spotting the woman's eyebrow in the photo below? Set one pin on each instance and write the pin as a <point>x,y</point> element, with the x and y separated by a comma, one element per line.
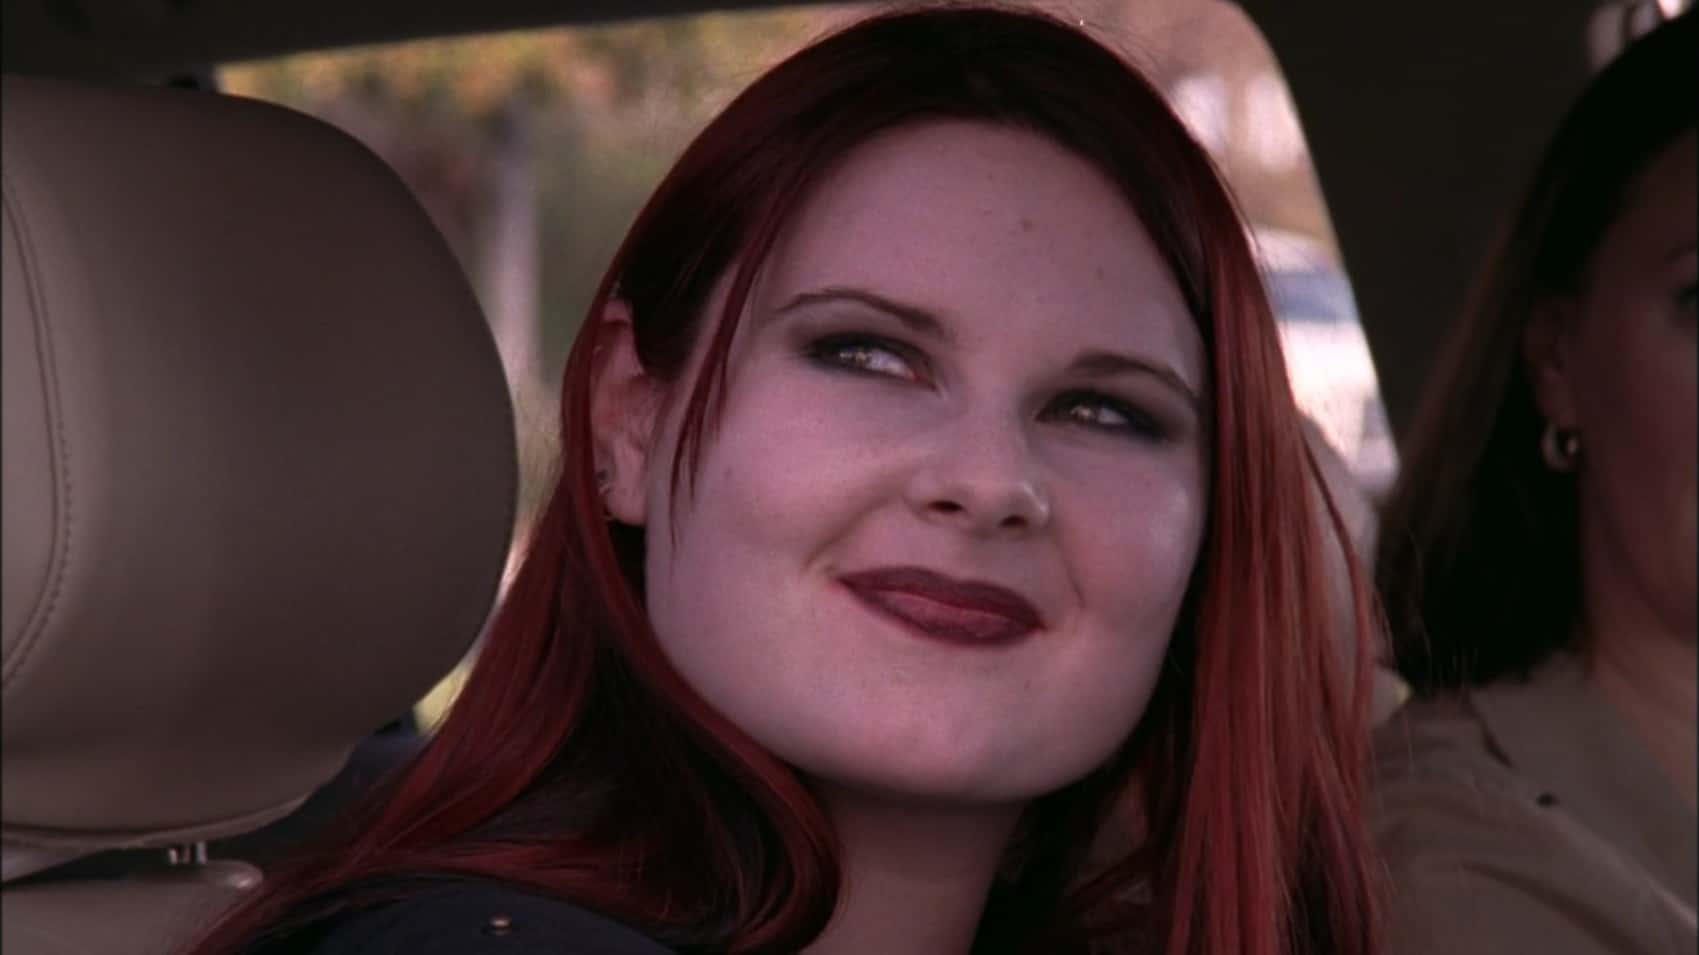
<point>1092,364</point>
<point>1104,364</point>
<point>918,320</point>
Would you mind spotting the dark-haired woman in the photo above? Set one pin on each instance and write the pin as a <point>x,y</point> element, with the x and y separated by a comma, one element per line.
<point>1538,558</point>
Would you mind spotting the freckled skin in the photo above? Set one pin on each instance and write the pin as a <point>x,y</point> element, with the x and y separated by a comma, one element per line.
<point>1026,256</point>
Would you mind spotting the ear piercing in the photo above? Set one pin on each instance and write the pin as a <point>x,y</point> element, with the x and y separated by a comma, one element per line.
<point>1561,448</point>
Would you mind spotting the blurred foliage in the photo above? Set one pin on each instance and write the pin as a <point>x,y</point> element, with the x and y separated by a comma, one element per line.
<point>674,61</point>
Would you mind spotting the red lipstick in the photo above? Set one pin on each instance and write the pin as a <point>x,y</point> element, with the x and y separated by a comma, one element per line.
<point>944,608</point>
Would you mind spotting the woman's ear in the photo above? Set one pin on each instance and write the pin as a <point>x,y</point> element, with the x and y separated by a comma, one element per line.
<point>1547,342</point>
<point>625,403</point>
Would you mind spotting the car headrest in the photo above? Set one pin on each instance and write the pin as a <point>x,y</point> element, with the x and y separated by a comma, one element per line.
<point>1362,525</point>
<point>260,468</point>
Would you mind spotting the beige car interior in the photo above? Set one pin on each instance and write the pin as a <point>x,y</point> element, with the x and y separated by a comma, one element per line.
<point>260,477</point>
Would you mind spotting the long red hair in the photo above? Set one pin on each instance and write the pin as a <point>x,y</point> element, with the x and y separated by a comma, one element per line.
<point>578,763</point>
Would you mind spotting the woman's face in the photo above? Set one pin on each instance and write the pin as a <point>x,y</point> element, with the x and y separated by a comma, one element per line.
<point>942,530</point>
<point>1620,370</point>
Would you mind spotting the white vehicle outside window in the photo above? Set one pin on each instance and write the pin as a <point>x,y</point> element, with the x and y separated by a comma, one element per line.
<point>1327,355</point>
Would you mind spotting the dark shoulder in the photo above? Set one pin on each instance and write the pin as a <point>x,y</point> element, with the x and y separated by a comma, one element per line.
<point>480,918</point>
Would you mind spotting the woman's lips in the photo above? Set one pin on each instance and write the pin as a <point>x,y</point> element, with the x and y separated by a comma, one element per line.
<point>944,608</point>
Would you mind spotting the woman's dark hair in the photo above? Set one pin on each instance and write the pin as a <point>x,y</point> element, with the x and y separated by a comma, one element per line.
<point>578,763</point>
<point>1479,565</point>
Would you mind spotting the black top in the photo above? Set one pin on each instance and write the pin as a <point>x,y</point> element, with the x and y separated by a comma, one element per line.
<point>479,918</point>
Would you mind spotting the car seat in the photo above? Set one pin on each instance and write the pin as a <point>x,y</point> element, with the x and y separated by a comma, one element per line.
<point>260,480</point>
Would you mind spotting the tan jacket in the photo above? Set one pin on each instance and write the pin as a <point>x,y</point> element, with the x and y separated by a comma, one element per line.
<point>1522,818</point>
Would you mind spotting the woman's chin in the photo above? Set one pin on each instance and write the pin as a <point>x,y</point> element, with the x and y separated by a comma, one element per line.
<point>939,780</point>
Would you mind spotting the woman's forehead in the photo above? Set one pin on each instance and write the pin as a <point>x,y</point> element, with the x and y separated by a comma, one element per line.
<point>966,219</point>
<point>1653,229</point>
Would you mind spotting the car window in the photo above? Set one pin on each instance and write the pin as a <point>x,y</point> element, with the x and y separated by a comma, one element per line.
<point>1615,24</point>
<point>532,151</point>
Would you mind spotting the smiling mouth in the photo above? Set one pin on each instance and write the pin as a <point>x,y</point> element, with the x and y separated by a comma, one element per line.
<point>942,608</point>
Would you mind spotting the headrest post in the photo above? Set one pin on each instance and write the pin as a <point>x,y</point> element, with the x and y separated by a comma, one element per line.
<point>192,854</point>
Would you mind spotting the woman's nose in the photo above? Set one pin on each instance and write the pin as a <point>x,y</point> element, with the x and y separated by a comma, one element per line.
<point>982,479</point>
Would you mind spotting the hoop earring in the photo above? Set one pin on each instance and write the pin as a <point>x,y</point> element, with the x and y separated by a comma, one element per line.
<point>1561,448</point>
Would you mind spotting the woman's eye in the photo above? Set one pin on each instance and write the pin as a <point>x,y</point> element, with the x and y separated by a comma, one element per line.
<point>1103,413</point>
<point>871,356</point>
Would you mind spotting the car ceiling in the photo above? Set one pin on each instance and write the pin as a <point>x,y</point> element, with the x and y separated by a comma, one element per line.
<point>1423,118</point>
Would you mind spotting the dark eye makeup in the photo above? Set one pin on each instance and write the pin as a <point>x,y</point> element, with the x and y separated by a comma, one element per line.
<point>865,354</point>
<point>1101,412</point>
<point>881,357</point>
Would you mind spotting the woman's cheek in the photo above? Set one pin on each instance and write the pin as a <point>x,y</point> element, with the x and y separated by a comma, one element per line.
<point>1147,523</point>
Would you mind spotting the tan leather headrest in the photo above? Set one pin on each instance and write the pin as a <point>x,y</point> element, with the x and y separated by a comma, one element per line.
<point>259,460</point>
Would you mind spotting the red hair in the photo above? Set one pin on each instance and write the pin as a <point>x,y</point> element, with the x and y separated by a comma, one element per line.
<point>578,763</point>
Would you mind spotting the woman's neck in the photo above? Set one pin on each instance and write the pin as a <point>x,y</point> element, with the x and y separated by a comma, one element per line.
<point>1647,673</point>
<point>915,878</point>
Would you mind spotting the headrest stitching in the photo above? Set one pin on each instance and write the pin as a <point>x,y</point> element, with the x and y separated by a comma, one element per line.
<point>61,540</point>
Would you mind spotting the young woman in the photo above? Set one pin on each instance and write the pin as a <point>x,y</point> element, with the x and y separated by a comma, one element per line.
<point>1538,558</point>
<point>932,491</point>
